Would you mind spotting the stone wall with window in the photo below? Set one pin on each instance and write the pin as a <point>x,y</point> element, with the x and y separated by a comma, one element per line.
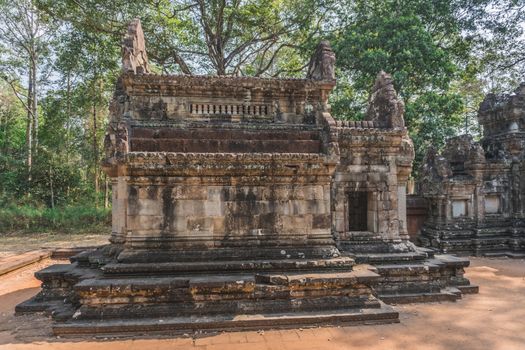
<point>370,181</point>
<point>476,190</point>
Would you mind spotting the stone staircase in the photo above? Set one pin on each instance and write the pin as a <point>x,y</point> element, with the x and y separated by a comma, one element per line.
<point>408,273</point>
<point>103,296</point>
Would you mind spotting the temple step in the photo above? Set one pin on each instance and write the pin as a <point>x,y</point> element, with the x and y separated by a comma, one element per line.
<point>156,296</point>
<point>447,294</point>
<point>153,286</point>
<point>504,253</point>
<point>494,231</point>
<point>225,305</point>
<point>411,278</point>
<point>439,278</point>
<point>58,309</point>
<point>413,269</point>
<point>382,315</point>
<point>390,258</point>
<point>468,289</point>
<point>345,263</point>
<point>481,241</point>
<point>452,260</point>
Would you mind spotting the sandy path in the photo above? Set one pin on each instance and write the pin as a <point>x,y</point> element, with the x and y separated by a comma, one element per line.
<point>23,242</point>
<point>491,320</point>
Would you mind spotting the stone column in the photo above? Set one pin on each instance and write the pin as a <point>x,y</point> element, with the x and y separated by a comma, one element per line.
<point>402,210</point>
<point>119,210</point>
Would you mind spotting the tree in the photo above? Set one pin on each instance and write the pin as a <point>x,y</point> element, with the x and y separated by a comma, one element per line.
<point>59,61</point>
<point>89,66</point>
<point>224,37</point>
<point>435,52</point>
<point>12,141</point>
<point>24,37</point>
<point>497,30</point>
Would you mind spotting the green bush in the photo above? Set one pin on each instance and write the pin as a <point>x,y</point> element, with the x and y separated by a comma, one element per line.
<point>75,218</point>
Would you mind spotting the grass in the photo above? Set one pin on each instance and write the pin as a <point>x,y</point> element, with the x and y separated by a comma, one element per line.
<point>68,219</point>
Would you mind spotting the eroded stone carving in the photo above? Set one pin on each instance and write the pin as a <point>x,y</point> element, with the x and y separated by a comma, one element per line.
<point>322,63</point>
<point>134,56</point>
<point>116,141</point>
<point>434,167</point>
<point>384,107</point>
<point>463,149</point>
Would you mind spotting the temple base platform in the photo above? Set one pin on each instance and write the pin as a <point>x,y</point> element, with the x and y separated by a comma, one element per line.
<point>180,297</point>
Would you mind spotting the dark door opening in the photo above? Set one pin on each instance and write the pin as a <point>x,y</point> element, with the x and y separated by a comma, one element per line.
<point>358,211</point>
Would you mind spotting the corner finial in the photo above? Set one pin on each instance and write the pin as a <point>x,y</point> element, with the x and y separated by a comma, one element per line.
<point>322,63</point>
<point>134,56</point>
<point>384,106</point>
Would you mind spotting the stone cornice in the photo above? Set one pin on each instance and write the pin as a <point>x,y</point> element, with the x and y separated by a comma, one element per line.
<point>154,82</point>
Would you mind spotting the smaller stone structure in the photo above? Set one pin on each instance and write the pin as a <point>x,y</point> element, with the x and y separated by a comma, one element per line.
<point>476,190</point>
<point>369,218</point>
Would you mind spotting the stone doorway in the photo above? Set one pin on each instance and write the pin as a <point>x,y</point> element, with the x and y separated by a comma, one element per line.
<point>358,211</point>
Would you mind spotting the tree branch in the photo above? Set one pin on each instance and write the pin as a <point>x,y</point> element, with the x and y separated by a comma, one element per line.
<point>17,94</point>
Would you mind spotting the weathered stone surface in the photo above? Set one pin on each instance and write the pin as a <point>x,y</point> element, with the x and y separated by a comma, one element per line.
<point>476,190</point>
<point>371,180</point>
<point>234,197</point>
<point>322,64</point>
<point>384,107</point>
<point>134,56</point>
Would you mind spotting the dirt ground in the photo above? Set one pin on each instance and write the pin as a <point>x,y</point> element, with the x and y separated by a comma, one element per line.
<point>494,319</point>
<point>17,243</point>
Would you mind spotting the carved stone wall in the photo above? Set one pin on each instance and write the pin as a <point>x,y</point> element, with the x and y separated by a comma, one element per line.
<point>475,189</point>
<point>230,205</point>
<point>376,158</point>
<point>232,179</point>
<point>221,168</point>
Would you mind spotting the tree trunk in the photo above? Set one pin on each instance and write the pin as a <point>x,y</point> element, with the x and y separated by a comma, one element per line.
<point>5,138</point>
<point>95,152</point>
<point>51,187</point>
<point>34,106</point>
<point>29,129</point>
<point>106,192</point>
<point>68,117</point>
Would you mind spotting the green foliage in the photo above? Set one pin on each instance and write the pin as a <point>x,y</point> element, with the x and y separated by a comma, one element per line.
<point>433,117</point>
<point>422,44</point>
<point>396,43</point>
<point>28,218</point>
<point>348,102</point>
<point>444,56</point>
<point>225,37</point>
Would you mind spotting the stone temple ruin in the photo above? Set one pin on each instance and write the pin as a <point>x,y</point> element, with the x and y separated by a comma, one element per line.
<point>241,203</point>
<point>476,190</point>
